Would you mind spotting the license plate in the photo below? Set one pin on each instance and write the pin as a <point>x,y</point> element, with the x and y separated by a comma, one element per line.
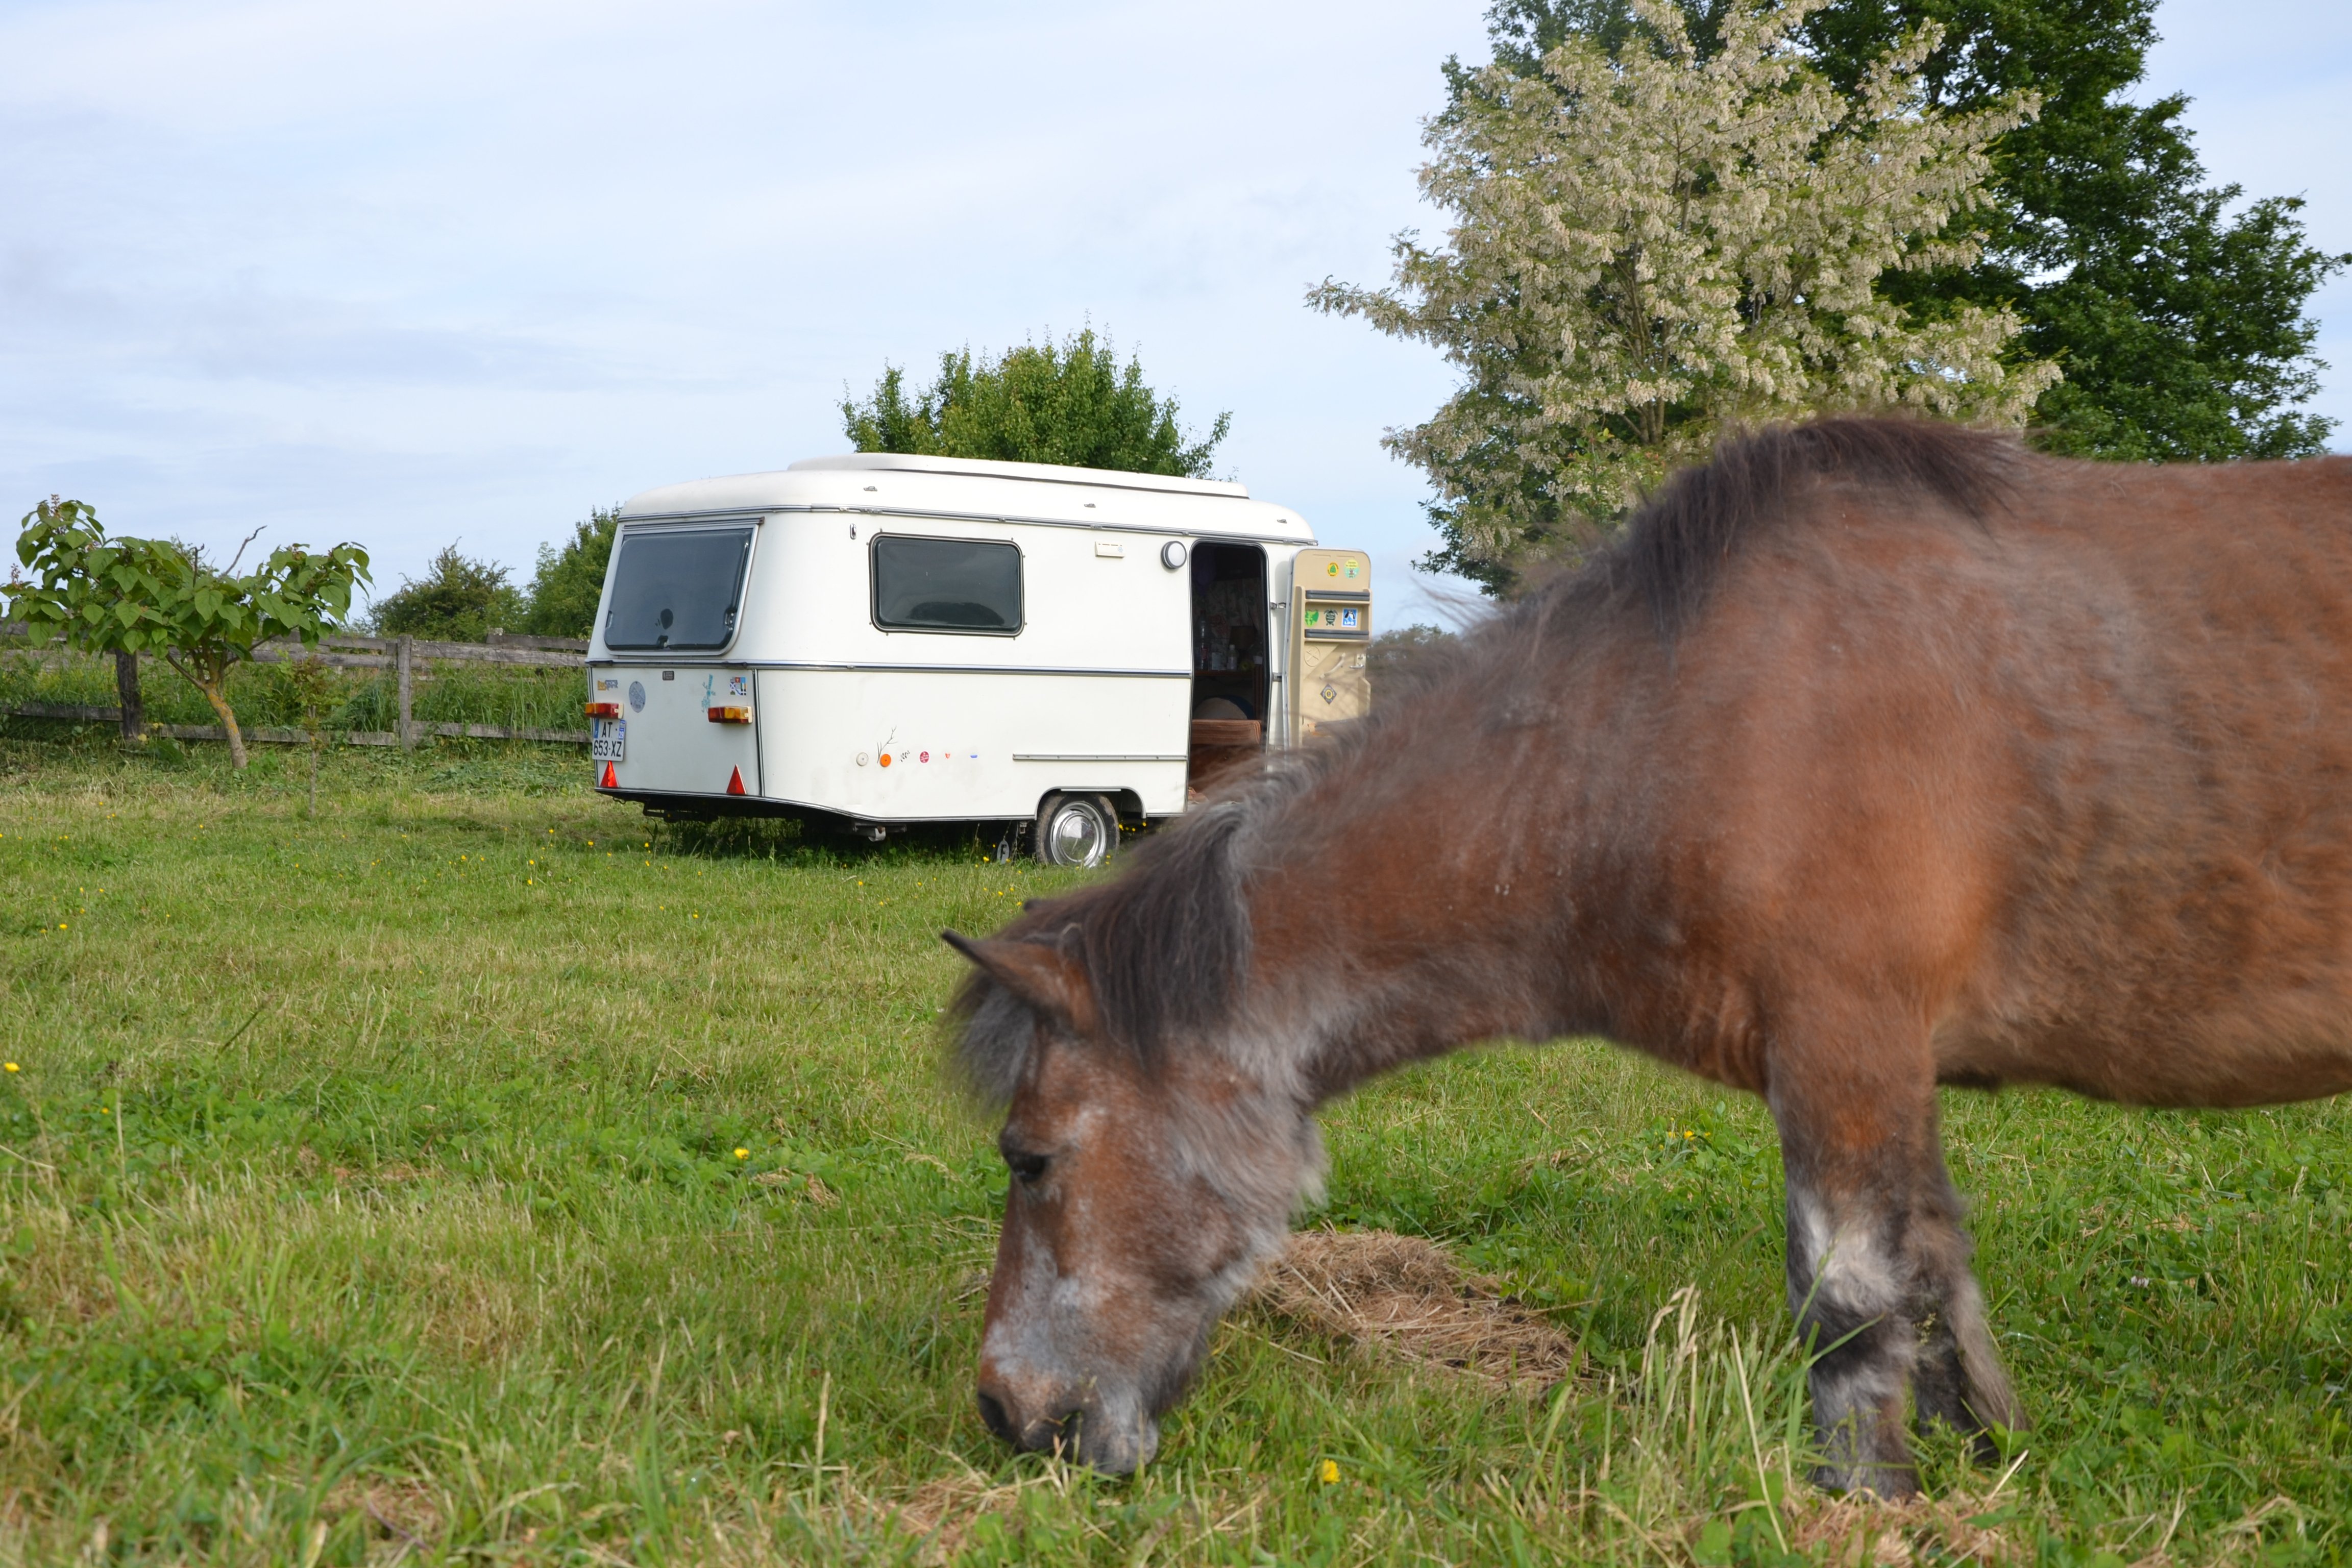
<point>606,739</point>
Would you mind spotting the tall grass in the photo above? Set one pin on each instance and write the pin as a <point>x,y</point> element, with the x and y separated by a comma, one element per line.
<point>368,1191</point>
<point>445,692</point>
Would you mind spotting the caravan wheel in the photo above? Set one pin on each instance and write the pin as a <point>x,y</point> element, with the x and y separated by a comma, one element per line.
<point>1076,831</point>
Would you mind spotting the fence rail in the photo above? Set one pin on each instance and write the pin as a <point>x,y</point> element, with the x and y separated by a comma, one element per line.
<point>349,651</point>
<point>286,735</point>
<point>385,653</point>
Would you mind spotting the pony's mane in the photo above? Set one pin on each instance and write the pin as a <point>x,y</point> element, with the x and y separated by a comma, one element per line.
<point>1680,539</point>
<point>1165,945</point>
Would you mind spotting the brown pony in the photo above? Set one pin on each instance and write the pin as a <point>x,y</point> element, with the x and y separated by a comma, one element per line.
<point>1880,754</point>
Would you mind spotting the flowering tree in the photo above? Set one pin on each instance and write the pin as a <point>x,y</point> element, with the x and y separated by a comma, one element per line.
<point>1649,248</point>
<point>118,595</point>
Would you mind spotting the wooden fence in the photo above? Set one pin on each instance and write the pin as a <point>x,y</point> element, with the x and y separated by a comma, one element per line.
<point>341,650</point>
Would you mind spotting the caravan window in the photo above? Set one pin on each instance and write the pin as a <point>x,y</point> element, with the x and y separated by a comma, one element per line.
<point>946,584</point>
<point>677,588</point>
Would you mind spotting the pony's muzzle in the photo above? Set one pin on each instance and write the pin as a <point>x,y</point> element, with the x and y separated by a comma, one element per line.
<point>1078,1431</point>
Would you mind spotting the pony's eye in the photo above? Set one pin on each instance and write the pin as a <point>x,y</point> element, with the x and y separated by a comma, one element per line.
<point>1027,1166</point>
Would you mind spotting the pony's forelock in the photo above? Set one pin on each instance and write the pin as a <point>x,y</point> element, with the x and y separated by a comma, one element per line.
<point>1164,948</point>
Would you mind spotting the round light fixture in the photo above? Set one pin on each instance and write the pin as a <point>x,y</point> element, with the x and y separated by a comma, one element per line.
<point>1172,554</point>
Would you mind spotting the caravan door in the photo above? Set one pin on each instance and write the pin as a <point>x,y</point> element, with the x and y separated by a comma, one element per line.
<point>1232,681</point>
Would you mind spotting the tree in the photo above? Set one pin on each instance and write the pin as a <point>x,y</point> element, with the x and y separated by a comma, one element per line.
<point>1649,248</point>
<point>107,595</point>
<point>569,582</point>
<point>2178,316</point>
<point>457,600</point>
<point>1037,403</point>
<point>1400,649</point>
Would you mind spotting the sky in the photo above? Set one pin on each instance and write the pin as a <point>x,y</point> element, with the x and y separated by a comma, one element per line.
<point>462,271</point>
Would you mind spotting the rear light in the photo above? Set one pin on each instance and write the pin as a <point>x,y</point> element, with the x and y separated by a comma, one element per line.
<point>730,715</point>
<point>603,710</point>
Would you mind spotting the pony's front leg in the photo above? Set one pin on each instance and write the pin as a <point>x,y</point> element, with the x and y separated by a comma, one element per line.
<point>1878,1272</point>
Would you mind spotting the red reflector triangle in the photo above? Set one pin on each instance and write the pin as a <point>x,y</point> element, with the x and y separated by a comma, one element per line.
<point>608,780</point>
<point>735,782</point>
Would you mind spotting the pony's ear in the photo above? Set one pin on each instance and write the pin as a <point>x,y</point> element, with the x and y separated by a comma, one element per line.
<point>1044,977</point>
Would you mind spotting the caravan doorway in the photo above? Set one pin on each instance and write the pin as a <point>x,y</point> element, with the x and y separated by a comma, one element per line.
<point>1231,662</point>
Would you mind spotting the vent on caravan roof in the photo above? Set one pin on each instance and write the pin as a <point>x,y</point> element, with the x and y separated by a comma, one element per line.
<point>1049,473</point>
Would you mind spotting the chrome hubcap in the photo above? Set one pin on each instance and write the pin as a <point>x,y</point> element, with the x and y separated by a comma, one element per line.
<point>1078,836</point>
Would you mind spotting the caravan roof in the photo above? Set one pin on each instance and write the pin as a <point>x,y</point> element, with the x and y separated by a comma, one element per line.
<point>1045,473</point>
<point>903,484</point>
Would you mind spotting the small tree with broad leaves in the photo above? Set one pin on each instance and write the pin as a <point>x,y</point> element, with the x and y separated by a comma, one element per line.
<point>108,595</point>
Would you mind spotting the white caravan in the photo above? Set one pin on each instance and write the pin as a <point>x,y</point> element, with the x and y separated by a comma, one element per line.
<point>883,640</point>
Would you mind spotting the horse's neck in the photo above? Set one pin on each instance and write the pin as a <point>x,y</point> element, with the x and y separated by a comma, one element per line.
<point>1411,921</point>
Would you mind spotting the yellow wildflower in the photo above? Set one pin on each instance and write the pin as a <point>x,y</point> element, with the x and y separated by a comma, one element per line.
<point>1329,1473</point>
<point>743,1153</point>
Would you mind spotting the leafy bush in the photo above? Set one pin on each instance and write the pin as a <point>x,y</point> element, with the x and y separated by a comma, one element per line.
<point>565,589</point>
<point>457,600</point>
<point>1067,403</point>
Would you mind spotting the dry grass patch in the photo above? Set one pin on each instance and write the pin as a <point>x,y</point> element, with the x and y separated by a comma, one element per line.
<point>401,1517</point>
<point>1865,1532</point>
<point>1407,1296</point>
<point>939,1513</point>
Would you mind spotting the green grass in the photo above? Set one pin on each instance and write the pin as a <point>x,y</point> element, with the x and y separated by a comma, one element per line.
<point>369,1191</point>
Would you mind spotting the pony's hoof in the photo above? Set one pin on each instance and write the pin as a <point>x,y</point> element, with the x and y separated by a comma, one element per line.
<point>1888,1483</point>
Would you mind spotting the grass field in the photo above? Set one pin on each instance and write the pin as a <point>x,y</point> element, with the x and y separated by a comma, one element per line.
<point>480,1172</point>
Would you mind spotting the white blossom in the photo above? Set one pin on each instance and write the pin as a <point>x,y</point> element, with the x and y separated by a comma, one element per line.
<point>1650,248</point>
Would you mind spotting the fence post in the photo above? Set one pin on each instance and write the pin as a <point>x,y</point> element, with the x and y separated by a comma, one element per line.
<point>405,660</point>
<point>126,691</point>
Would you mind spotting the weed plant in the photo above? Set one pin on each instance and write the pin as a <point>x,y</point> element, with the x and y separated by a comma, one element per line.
<point>482,1172</point>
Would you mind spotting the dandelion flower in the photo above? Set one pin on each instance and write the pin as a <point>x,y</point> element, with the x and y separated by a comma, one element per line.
<point>14,1067</point>
<point>743,1153</point>
<point>1329,1473</point>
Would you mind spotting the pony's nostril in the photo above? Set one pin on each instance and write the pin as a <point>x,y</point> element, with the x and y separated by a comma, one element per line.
<point>992,1410</point>
<point>1063,1433</point>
